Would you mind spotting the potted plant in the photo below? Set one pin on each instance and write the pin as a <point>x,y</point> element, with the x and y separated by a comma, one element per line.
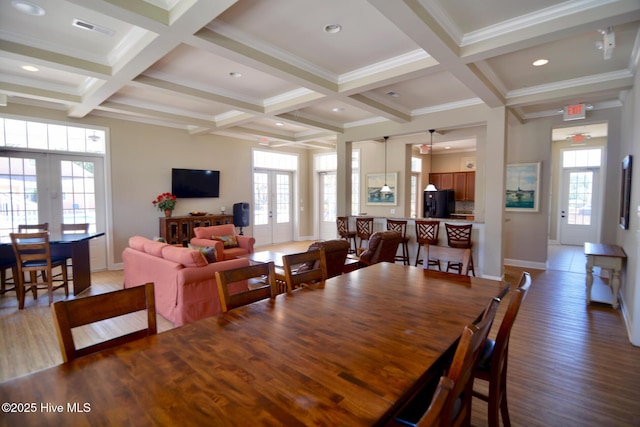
<point>165,202</point>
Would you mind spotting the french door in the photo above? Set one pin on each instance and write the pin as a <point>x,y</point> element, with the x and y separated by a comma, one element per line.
<point>54,188</point>
<point>328,185</point>
<point>273,212</point>
<point>580,209</point>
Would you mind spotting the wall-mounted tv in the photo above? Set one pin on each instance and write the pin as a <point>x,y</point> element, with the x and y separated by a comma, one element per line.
<point>193,183</point>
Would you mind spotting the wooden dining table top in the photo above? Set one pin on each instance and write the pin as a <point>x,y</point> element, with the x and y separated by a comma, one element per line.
<point>347,353</point>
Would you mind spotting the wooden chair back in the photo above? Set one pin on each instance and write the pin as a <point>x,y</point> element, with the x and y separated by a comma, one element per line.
<point>459,236</point>
<point>449,254</point>
<point>32,252</point>
<point>398,225</point>
<point>496,371</point>
<point>364,228</point>
<point>74,228</point>
<point>22,228</point>
<point>427,232</point>
<point>457,410</point>
<point>305,268</point>
<point>344,232</point>
<point>73,313</point>
<point>432,417</point>
<point>263,279</point>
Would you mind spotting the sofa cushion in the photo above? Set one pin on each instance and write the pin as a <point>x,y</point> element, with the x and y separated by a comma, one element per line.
<point>209,252</point>
<point>185,256</point>
<point>154,248</point>
<point>229,241</point>
<point>137,243</point>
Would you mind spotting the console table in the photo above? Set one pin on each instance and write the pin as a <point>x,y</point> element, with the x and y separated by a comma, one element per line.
<point>608,257</point>
<point>178,229</point>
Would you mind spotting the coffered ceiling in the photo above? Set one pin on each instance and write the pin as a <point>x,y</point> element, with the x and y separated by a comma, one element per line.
<point>267,70</point>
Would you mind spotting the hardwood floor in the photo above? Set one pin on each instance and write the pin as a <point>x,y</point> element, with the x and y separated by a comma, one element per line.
<point>570,364</point>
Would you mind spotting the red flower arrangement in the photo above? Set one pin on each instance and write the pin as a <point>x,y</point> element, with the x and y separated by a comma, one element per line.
<point>165,201</point>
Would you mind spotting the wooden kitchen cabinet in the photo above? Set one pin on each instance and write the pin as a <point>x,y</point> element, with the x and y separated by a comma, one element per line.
<point>464,185</point>
<point>442,181</point>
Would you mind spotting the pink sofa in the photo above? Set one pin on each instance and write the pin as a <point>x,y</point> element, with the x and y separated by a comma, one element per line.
<point>185,283</point>
<point>204,237</point>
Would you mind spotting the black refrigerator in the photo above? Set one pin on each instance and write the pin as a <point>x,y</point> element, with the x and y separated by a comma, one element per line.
<point>439,204</point>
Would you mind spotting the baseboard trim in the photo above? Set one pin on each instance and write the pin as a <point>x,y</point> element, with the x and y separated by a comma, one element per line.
<point>525,264</point>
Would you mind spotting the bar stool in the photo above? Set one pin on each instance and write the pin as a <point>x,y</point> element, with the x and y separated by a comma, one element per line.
<point>427,234</point>
<point>459,236</point>
<point>345,233</point>
<point>364,229</point>
<point>401,227</point>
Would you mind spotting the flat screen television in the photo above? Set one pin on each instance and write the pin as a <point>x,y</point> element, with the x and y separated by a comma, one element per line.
<point>194,183</point>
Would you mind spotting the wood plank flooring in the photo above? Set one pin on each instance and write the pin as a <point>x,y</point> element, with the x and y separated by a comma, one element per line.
<point>570,364</point>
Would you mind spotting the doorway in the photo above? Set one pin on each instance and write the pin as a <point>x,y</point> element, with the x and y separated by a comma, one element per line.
<point>272,201</point>
<point>327,198</point>
<point>579,214</point>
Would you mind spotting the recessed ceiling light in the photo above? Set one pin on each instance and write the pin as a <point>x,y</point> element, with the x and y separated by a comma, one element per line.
<point>540,62</point>
<point>279,124</point>
<point>447,148</point>
<point>337,109</point>
<point>30,68</point>
<point>28,7</point>
<point>332,28</point>
<point>235,74</point>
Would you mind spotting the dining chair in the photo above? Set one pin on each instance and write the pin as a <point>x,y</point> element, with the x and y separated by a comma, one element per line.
<point>343,231</point>
<point>8,284</point>
<point>364,229</point>
<point>432,418</point>
<point>33,254</point>
<point>78,312</point>
<point>23,228</point>
<point>305,268</point>
<point>457,409</point>
<point>427,234</point>
<point>459,236</point>
<point>82,228</point>
<point>261,284</point>
<point>492,366</point>
<point>401,227</point>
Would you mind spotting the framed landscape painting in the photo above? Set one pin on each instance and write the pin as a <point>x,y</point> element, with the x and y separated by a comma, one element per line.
<point>375,181</point>
<point>523,187</point>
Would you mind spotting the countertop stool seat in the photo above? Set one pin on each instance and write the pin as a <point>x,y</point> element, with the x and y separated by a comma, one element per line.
<point>459,236</point>
<point>401,227</point>
<point>427,234</point>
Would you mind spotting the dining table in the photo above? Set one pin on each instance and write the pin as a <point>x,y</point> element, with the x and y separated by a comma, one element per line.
<point>348,352</point>
<point>68,245</point>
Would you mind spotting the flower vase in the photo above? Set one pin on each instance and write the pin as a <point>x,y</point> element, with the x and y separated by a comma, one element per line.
<point>167,213</point>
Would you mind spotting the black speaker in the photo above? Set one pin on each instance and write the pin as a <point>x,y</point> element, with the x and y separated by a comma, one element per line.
<point>241,214</point>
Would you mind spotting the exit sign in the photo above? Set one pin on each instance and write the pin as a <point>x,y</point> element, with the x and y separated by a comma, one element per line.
<point>574,112</point>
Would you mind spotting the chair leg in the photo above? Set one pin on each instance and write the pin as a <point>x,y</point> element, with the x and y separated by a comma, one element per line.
<point>418,260</point>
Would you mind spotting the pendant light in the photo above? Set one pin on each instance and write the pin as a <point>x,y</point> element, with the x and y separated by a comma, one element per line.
<point>385,188</point>
<point>431,187</point>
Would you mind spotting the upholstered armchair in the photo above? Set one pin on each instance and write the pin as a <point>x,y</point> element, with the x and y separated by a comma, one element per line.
<point>228,244</point>
<point>335,252</point>
<point>383,246</point>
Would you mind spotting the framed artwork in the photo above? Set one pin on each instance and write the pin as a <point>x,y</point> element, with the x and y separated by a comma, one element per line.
<point>375,181</point>
<point>468,164</point>
<point>625,193</point>
<point>523,187</point>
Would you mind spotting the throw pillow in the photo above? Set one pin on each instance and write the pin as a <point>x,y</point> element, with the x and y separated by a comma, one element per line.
<point>209,252</point>
<point>229,241</point>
